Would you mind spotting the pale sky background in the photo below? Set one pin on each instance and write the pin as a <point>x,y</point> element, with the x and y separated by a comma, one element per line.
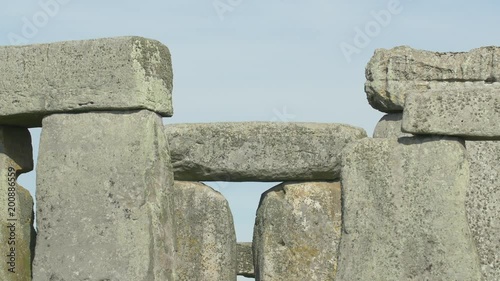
<point>274,60</point>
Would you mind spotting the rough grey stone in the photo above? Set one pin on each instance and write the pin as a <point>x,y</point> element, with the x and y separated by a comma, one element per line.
<point>472,113</point>
<point>258,151</point>
<point>121,73</point>
<point>297,231</point>
<point>391,74</point>
<point>205,235</point>
<point>104,187</point>
<point>17,235</point>
<point>404,214</point>
<point>245,259</point>
<point>483,204</point>
<point>389,126</point>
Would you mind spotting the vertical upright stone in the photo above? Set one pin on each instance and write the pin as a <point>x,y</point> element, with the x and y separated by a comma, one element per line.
<point>204,232</point>
<point>104,188</point>
<point>17,235</point>
<point>404,211</point>
<point>297,231</point>
<point>483,204</point>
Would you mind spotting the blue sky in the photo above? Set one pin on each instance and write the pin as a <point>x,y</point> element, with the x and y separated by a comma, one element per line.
<point>261,60</point>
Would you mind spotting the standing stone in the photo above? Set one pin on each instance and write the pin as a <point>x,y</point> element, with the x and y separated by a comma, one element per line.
<point>389,126</point>
<point>297,231</point>
<point>205,235</point>
<point>483,204</point>
<point>472,113</point>
<point>259,151</point>
<point>17,235</point>
<point>245,259</point>
<point>123,73</point>
<point>104,201</point>
<point>404,211</point>
<point>391,74</point>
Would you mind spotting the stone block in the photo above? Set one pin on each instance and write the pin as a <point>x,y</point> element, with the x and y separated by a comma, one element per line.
<point>297,232</point>
<point>392,73</point>
<point>389,126</point>
<point>104,198</point>
<point>258,151</point>
<point>17,235</point>
<point>472,113</point>
<point>245,260</point>
<point>404,214</point>
<point>483,204</point>
<point>123,73</point>
<point>205,235</point>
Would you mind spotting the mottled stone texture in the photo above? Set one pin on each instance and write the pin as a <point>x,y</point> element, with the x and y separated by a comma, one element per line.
<point>245,259</point>
<point>297,231</point>
<point>121,73</point>
<point>259,151</point>
<point>404,214</point>
<point>391,74</point>
<point>17,236</point>
<point>104,188</point>
<point>483,204</point>
<point>205,235</point>
<point>472,113</point>
<point>389,126</point>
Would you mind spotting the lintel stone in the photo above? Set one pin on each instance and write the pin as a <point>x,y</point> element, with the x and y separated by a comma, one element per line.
<point>122,73</point>
<point>392,73</point>
<point>259,151</point>
<point>471,113</point>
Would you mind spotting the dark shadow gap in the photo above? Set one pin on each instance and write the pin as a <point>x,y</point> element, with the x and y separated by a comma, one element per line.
<point>28,180</point>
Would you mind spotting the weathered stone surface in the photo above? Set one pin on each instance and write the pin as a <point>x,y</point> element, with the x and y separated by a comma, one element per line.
<point>389,126</point>
<point>104,188</point>
<point>205,235</point>
<point>258,151</point>
<point>121,73</point>
<point>483,204</point>
<point>297,231</point>
<point>17,235</point>
<point>391,74</point>
<point>472,113</point>
<point>245,260</point>
<point>404,211</point>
